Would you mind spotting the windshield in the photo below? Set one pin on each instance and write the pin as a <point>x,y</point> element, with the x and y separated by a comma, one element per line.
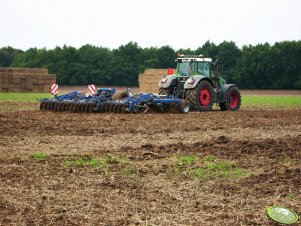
<point>185,68</point>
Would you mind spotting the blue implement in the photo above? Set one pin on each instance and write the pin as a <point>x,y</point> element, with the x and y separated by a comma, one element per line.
<point>108,100</point>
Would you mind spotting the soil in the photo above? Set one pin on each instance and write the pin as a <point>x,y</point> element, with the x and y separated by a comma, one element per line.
<point>149,188</point>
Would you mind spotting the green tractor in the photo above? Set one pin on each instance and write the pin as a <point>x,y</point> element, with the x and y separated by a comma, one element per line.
<point>197,80</point>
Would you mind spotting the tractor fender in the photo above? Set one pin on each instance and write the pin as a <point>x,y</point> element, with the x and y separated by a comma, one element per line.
<point>193,81</point>
<point>223,91</point>
<point>167,81</point>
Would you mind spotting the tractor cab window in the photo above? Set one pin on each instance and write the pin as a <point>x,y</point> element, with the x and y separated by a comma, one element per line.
<point>186,68</point>
<point>204,69</point>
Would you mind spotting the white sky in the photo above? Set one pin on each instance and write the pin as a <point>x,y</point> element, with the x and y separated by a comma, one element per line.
<point>180,24</point>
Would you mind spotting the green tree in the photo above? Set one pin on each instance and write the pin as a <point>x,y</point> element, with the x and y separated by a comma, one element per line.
<point>125,65</point>
<point>229,54</point>
<point>7,54</point>
<point>166,57</point>
<point>95,63</point>
<point>286,69</point>
<point>150,58</point>
<point>209,49</point>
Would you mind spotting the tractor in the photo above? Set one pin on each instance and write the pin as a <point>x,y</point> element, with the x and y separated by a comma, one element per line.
<point>197,80</point>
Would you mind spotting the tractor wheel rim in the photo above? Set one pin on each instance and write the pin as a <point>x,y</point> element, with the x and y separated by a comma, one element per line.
<point>233,101</point>
<point>204,97</point>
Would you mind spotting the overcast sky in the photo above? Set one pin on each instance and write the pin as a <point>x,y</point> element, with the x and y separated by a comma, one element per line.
<point>179,24</point>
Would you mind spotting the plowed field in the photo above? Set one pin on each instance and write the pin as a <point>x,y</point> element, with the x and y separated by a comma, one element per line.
<point>214,168</point>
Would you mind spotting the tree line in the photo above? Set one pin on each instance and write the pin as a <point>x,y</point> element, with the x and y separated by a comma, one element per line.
<point>263,66</point>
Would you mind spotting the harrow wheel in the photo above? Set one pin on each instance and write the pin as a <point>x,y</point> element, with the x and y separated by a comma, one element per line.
<point>68,107</point>
<point>65,107</point>
<point>46,106</point>
<point>118,108</point>
<point>107,107</point>
<point>184,107</point>
<point>115,108</point>
<point>57,106</point>
<point>71,107</point>
<point>86,108</point>
<point>75,107</point>
<point>82,107</point>
<point>111,107</point>
<point>51,106</point>
<point>101,108</point>
<point>61,108</point>
<point>42,105</point>
<point>91,108</point>
<point>122,108</point>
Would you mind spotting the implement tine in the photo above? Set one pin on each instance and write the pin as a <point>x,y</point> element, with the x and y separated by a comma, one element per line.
<point>123,107</point>
<point>76,108</point>
<point>83,108</point>
<point>65,106</point>
<point>107,107</point>
<point>92,107</point>
<point>119,108</point>
<point>115,108</point>
<point>42,105</point>
<point>101,108</point>
<point>72,107</point>
<point>46,106</point>
<point>60,107</point>
<point>111,108</point>
<point>51,106</point>
<point>87,109</point>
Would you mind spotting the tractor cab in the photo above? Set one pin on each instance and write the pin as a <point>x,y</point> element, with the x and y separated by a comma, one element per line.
<point>194,65</point>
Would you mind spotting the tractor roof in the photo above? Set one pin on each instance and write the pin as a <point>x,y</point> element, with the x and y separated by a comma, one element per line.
<point>199,58</point>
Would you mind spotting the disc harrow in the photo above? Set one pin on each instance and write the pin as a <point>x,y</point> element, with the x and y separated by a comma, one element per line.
<point>106,102</point>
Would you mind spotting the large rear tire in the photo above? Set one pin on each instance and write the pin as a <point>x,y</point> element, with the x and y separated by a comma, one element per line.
<point>232,100</point>
<point>201,97</point>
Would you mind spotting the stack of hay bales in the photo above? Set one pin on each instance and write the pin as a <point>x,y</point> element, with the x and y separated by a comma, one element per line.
<point>149,80</point>
<point>25,80</point>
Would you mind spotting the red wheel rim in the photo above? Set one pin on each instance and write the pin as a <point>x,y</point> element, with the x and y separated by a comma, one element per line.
<point>204,97</point>
<point>233,100</point>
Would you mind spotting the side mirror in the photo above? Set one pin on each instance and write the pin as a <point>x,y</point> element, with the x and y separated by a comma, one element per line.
<point>217,61</point>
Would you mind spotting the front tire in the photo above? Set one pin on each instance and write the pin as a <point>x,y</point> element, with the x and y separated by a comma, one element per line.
<point>201,97</point>
<point>166,91</point>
